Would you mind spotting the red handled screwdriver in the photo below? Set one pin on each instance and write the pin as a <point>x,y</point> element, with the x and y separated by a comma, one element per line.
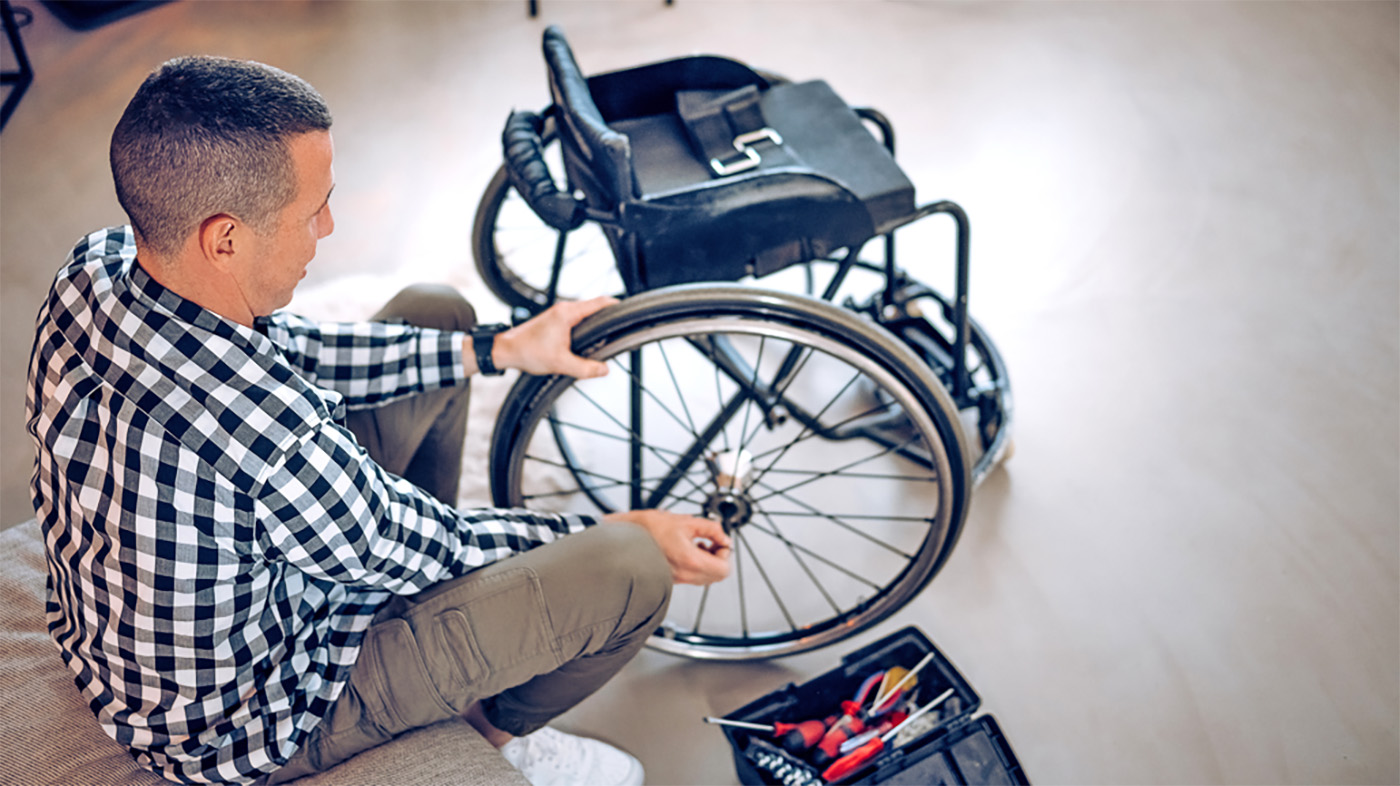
<point>851,723</point>
<point>796,737</point>
<point>848,726</point>
<point>861,756</point>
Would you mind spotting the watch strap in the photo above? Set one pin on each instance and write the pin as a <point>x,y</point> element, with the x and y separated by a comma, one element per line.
<point>483,343</point>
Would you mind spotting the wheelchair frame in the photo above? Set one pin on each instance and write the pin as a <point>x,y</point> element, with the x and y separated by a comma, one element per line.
<point>898,332</point>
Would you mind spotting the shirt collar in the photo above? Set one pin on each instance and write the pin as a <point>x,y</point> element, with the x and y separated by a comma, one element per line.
<point>161,298</point>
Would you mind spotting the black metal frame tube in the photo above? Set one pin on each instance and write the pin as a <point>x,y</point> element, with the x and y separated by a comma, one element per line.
<point>960,378</point>
<point>19,80</point>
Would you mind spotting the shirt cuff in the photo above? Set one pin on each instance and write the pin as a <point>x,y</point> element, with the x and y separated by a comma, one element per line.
<point>577,522</point>
<point>449,346</point>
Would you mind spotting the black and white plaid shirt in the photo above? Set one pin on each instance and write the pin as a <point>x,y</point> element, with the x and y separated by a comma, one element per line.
<point>217,541</point>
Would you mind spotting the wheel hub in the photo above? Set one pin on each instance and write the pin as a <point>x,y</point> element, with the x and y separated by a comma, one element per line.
<point>730,510</point>
<point>732,473</point>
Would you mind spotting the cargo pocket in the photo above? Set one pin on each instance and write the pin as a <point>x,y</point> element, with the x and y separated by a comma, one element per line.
<point>409,695</point>
<point>496,635</point>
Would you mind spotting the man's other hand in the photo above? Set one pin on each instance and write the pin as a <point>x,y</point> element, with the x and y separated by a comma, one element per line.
<point>543,344</point>
<point>697,549</point>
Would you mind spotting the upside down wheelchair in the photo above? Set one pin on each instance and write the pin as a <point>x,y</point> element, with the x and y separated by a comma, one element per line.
<point>731,207</point>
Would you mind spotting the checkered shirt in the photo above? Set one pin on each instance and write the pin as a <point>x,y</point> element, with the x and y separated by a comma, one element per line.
<point>217,541</point>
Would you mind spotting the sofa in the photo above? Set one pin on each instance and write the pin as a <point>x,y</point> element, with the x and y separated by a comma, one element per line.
<point>50,736</point>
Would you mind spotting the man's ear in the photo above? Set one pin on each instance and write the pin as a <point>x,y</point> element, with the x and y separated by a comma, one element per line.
<point>220,238</point>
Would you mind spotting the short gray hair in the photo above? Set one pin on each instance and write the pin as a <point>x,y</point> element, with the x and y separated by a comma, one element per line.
<point>208,135</point>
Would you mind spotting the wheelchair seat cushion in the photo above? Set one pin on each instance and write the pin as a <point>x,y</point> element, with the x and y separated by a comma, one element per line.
<point>829,184</point>
<point>826,133</point>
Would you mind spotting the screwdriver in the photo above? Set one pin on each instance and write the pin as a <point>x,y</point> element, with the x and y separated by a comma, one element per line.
<point>886,693</point>
<point>796,737</point>
<point>861,756</point>
<point>829,748</point>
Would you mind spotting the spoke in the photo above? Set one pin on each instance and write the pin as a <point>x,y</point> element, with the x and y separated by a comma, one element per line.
<point>814,434</point>
<point>866,475</point>
<point>739,573</point>
<point>700,612</point>
<point>581,252</point>
<point>571,468</point>
<point>661,345</point>
<point>816,556</point>
<point>838,521</point>
<point>611,484</point>
<point>778,394</point>
<point>716,426</point>
<point>719,396</point>
<point>753,386</point>
<point>806,429</point>
<point>632,434</point>
<point>847,516</point>
<point>611,481</point>
<point>517,249</point>
<point>839,470</point>
<point>771,589</point>
<point>604,434</point>
<point>803,563</point>
<point>659,403</point>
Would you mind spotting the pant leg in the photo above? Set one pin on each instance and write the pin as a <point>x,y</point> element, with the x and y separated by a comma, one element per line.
<point>531,636</point>
<point>420,438</point>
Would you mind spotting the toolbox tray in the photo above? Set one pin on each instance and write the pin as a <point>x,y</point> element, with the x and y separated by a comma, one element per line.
<point>958,749</point>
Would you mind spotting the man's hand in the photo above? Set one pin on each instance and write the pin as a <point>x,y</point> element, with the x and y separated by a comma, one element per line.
<point>697,549</point>
<point>542,345</point>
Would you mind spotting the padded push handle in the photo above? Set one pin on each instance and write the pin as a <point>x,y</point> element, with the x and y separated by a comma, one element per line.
<point>524,154</point>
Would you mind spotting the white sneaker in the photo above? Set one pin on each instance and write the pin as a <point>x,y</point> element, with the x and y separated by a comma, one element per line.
<point>550,757</point>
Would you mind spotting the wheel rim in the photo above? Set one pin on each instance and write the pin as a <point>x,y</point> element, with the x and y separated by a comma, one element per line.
<point>850,498</point>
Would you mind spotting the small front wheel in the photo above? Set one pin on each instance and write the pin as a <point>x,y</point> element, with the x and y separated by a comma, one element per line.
<point>515,250</point>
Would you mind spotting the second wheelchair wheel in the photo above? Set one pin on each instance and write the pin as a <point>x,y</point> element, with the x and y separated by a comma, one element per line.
<point>515,250</point>
<point>828,450</point>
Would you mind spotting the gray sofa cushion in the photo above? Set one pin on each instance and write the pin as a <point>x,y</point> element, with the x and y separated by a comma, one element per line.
<point>50,736</point>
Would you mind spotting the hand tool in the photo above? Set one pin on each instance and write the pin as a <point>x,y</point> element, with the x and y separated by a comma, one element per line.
<point>861,756</point>
<point>795,737</point>
<point>885,694</point>
<point>893,720</point>
<point>851,723</point>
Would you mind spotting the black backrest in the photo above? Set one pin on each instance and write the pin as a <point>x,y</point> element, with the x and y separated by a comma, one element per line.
<point>598,159</point>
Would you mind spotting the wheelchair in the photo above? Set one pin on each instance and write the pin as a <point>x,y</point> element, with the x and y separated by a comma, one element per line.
<point>729,208</point>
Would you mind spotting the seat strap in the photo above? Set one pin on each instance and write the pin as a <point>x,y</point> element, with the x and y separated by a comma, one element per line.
<point>722,124</point>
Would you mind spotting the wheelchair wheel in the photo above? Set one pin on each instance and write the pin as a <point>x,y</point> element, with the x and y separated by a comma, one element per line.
<point>514,250</point>
<point>923,319</point>
<point>825,446</point>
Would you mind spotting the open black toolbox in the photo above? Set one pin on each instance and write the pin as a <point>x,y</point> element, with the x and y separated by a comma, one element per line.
<point>946,746</point>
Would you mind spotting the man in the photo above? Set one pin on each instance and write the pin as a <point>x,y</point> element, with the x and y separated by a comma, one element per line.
<point>255,570</point>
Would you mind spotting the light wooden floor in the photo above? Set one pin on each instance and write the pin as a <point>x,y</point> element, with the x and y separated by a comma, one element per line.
<point>1186,242</point>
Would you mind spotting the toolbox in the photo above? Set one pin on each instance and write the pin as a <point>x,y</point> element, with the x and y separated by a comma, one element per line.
<point>944,745</point>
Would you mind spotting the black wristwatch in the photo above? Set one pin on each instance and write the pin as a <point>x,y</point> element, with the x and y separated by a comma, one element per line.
<point>483,341</point>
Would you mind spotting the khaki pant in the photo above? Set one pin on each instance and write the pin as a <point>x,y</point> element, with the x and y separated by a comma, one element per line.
<point>529,637</point>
